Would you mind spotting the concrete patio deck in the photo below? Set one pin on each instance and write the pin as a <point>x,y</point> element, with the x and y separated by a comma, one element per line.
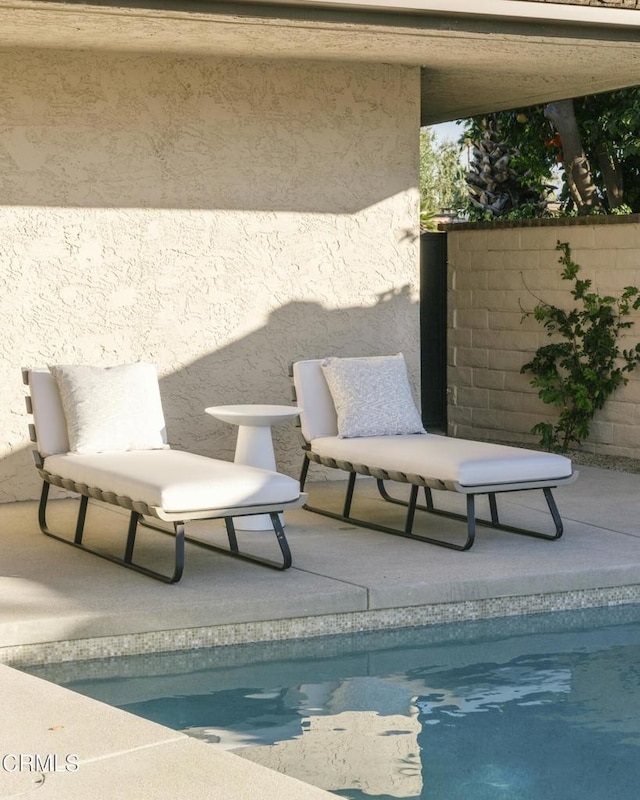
<point>57,603</point>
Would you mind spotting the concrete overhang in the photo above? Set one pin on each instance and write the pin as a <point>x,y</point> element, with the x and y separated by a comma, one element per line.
<point>509,54</point>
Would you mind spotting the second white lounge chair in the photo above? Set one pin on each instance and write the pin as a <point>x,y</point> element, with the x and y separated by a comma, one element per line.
<point>358,416</point>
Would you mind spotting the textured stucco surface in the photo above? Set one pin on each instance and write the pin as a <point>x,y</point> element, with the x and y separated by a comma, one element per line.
<point>220,218</point>
<point>497,274</point>
<point>598,3</point>
<point>553,50</point>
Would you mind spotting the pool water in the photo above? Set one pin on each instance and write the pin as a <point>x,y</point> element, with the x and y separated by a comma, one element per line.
<point>545,707</point>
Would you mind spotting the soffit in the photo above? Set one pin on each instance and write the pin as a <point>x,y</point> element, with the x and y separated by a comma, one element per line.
<point>511,54</point>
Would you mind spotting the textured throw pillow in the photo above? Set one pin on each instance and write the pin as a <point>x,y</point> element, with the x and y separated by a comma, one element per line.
<point>372,396</point>
<point>111,408</point>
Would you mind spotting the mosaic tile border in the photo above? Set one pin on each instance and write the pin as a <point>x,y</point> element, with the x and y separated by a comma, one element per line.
<point>308,627</point>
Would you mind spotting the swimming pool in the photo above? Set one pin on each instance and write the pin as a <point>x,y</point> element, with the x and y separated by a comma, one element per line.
<point>545,707</point>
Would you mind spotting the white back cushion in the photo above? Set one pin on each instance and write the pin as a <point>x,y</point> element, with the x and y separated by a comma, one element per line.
<point>318,417</point>
<point>48,414</point>
<point>372,396</point>
<point>111,408</point>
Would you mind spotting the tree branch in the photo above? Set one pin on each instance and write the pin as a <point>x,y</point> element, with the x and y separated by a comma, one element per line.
<point>579,178</point>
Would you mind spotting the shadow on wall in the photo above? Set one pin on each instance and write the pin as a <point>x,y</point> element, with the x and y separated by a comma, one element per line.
<point>254,369</point>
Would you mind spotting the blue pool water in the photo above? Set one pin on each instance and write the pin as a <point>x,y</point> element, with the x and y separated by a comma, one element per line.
<point>545,707</point>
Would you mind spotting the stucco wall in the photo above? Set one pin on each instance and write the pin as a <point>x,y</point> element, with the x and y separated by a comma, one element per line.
<point>600,3</point>
<point>497,273</point>
<point>219,218</point>
<point>608,3</point>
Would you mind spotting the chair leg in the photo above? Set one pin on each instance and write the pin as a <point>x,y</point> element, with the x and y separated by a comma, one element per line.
<point>553,508</point>
<point>178,528</point>
<point>428,498</point>
<point>234,548</point>
<point>304,472</point>
<point>406,532</point>
<point>411,510</point>
<point>282,540</point>
<point>82,515</point>
<point>431,509</point>
<point>131,536</point>
<point>348,499</point>
<point>493,509</point>
<point>127,561</point>
<point>494,522</point>
<point>471,520</point>
<point>42,508</point>
<point>231,534</point>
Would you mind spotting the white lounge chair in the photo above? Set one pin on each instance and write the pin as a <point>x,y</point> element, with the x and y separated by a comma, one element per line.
<point>128,463</point>
<point>418,458</point>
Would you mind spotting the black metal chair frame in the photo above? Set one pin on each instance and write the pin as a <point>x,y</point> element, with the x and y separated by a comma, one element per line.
<point>178,532</point>
<point>412,506</point>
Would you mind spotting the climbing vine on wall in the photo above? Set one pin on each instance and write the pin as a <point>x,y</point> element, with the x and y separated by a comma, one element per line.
<point>585,364</point>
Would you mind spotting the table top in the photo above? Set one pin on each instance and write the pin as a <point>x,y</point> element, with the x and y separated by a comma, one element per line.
<point>253,414</point>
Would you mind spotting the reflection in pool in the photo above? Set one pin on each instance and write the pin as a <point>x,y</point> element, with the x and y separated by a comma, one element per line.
<point>532,708</point>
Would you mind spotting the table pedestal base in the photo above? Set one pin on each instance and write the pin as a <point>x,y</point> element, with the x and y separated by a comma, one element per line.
<point>255,448</point>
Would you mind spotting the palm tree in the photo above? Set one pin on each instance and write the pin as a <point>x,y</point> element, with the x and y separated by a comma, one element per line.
<point>495,186</point>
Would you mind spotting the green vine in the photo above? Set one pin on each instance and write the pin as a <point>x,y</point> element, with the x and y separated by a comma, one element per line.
<point>578,373</point>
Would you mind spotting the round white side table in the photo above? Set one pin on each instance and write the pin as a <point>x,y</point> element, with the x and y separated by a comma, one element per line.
<point>254,446</point>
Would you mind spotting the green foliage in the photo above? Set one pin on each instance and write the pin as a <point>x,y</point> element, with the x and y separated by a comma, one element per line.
<point>622,210</point>
<point>427,218</point>
<point>504,179</point>
<point>609,126</point>
<point>611,121</point>
<point>579,371</point>
<point>441,175</point>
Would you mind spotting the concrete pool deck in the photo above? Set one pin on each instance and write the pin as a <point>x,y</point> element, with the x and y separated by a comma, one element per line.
<point>57,603</point>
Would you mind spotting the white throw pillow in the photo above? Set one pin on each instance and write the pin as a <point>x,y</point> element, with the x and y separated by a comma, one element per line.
<point>372,396</point>
<point>111,408</point>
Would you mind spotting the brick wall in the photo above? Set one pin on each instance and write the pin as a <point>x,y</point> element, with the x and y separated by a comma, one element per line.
<point>496,272</point>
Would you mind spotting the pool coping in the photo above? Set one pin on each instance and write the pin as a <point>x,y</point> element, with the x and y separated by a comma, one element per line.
<point>321,625</point>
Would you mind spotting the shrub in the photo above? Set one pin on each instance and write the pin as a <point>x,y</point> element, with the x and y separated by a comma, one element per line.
<point>579,371</point>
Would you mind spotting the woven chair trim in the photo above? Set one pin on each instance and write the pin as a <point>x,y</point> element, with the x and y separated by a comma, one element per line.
<point>377,472</point>
<point>97,494</point>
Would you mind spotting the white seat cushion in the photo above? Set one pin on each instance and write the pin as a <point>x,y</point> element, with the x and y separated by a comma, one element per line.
<point>175,481</point>
<point>444,458</point>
